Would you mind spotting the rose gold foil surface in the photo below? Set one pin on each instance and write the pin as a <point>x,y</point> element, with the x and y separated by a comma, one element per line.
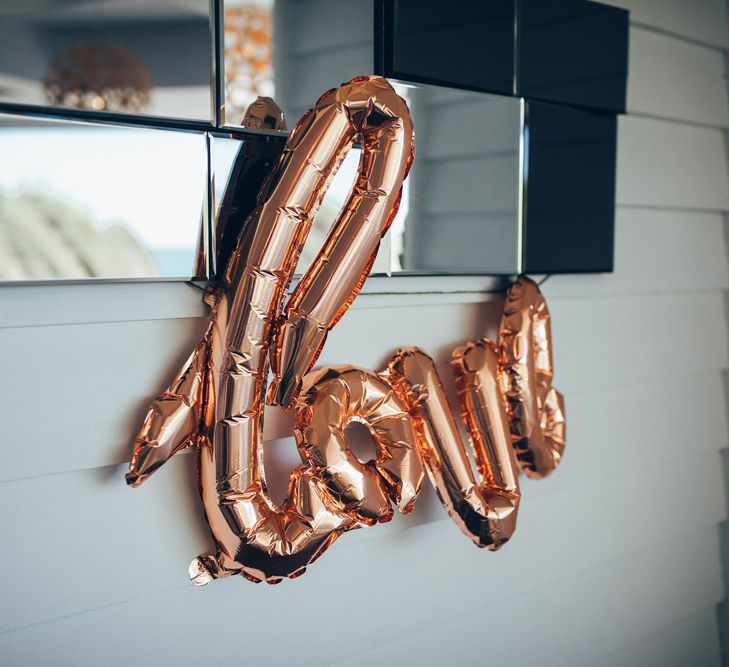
<point>485,511</point>
<point>375,114</point>
<point>173,419</point>
<point>254,537</point>
<point>536,409</point>
<point>333,398</point>
<point>264,114</point>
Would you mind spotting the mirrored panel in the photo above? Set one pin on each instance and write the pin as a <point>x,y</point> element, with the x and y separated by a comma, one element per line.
<point>152,57</point>
<point>78,200</point>
<point>293,50</point>
<point>460,209</point>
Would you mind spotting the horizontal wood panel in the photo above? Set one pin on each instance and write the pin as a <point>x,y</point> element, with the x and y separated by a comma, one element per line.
<point>662,164</point>
<point>581,619</point>
<point>86,388</point>
<point>656,251</point>
<point>700,20</point>
<point>97,301</point>
<point>69,530</point>
<point>432,603</point>
<point>676,79</point>
<point>690,641</point>
<point>613,342</point>
<point>598,343</point>
<point>634,428</point>
<point>75,391</point>
<point>47,304</point>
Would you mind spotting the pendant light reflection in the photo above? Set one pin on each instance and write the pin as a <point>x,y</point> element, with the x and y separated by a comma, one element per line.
<point>99,75</point>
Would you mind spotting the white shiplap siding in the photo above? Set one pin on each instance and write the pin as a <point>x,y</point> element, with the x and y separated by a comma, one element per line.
<point>616,559</point>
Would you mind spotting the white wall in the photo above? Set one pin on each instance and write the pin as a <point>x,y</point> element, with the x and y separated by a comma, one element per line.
<point>616,559</point>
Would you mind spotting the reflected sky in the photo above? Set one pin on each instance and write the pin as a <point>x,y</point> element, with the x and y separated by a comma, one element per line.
<point>151,182</point>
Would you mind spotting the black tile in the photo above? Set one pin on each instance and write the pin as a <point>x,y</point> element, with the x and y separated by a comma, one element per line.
<point>573,52</point>
<point>569,189</point>
<point>467,44</point>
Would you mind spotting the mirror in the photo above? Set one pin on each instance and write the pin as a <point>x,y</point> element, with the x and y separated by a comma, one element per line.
<point>173,186</point>
<point>460,206</point>
<point>79,200</point>
<point>109,55</point>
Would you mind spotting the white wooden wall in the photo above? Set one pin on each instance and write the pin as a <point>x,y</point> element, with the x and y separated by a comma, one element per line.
<point>616,559</point>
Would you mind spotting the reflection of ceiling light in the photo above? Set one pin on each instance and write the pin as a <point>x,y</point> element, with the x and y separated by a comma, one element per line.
<point>97,75</point>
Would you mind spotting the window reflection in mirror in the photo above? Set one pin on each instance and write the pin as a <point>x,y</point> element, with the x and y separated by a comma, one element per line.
<point>113,55</point>
<point>79,200</point>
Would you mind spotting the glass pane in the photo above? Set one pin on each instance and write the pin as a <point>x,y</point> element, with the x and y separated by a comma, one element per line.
<point>239,167</point>
<point>293,51</point>
<point>462,196</point>
<point>78,200</point>
<point>460,209</point>
<point>115,55</point>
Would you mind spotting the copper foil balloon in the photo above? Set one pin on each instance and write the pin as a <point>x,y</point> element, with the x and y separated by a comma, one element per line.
<point>380,119</point>
<point>254,537</point>
<point>536,409</point>
<point>485,511</point>
<point>173,419</point>
<point>333,398</point>
<point>264,114</point>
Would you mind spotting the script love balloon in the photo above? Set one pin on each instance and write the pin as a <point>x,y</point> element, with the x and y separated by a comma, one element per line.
<point>217,402</point>
<point>513,417</point>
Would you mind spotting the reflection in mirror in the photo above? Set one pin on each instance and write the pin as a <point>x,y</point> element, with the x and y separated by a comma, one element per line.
<point>114,55</point>
<point>301,48</point>
<point>79,200</point>
<point>239,168</point>
<point>464,188</point>
<point>293,51</point>
<point>446,223</point>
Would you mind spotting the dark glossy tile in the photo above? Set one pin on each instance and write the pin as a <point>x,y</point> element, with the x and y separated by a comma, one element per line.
<point>573,52</point>
<point>459,44</point>
<point>569,189</point>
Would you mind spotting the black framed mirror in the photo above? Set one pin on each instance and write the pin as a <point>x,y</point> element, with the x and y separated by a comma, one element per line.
<point>514,169</point>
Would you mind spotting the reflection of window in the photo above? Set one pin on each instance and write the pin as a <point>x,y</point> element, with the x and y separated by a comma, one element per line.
<point>43,236</point>
<point>77,200</point>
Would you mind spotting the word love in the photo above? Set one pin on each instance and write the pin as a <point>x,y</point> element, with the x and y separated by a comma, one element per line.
<point>514,418</point>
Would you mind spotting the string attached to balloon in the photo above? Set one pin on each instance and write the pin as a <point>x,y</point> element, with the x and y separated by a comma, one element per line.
<point>513,416</point>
